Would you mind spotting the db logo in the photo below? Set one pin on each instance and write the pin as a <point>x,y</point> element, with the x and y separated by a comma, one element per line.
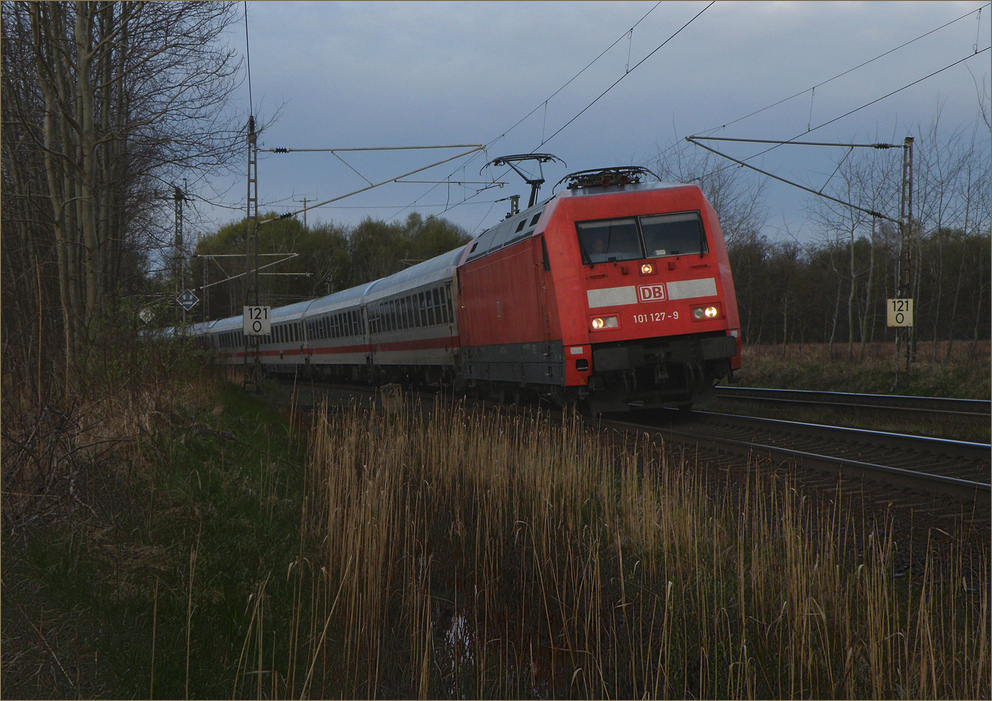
<point>650,293</point>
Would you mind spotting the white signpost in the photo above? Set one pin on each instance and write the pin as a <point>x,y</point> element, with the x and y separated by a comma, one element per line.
<point>256,321</point>
<point>899,312</point>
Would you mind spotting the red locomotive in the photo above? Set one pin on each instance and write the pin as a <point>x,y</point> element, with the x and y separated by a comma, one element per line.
<point>612,294</point>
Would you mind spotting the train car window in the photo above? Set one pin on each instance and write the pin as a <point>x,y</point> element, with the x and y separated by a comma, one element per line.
<point>673,234</point>
<point>536,217</point>
<point>609,240</point>
<point>445,309</point>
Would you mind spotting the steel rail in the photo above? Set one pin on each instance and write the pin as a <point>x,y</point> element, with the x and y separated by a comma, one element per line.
<point>959,488</point>
<point>965,410</point>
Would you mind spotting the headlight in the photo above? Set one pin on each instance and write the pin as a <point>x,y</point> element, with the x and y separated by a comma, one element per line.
<point>709,312</point>
<point>647,268</point>
<point>605,322</point>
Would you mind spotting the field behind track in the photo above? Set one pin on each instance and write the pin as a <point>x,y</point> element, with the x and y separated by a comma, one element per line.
<point>960,370</point>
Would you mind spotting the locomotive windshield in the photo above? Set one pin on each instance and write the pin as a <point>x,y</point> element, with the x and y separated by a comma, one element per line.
<point>651,236</point>
<point>612,239</point>
<point>673,234</point>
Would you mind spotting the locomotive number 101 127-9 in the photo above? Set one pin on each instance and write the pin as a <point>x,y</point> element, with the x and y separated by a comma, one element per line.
<point>654,317</point>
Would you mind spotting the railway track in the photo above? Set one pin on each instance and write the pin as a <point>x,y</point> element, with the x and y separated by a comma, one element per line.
<point>945,478</point>
<point>908,410</point>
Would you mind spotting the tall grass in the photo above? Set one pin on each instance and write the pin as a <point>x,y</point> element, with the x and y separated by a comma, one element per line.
<point>466,555</point>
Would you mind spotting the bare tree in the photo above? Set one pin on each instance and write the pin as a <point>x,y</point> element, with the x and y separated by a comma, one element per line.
<point>953,185</point>
<point>109,103</point>
<point>868,181</point>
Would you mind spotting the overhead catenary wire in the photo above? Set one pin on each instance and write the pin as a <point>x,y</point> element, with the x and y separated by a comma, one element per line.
<point>850,70</point>
<point>544,103</point>
<point>783,142</point>
<point>877,215</point>
<point>375,185</point>
<point>626,73</point>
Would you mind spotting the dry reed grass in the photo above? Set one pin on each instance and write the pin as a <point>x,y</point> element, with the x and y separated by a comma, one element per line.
<point>459,554</point>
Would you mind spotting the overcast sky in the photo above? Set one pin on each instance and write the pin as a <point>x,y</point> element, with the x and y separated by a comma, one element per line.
<point>520,77</point>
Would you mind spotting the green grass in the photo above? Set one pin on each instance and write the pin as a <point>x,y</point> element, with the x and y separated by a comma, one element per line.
<point>140,582</point>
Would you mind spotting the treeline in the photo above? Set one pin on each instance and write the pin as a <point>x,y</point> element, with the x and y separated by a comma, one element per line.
<point>326,258</point>
<point>106,106</point>
<point>788,293</point>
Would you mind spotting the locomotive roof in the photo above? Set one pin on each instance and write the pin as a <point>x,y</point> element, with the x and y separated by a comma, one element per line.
<point>508,231</point>
<point>631,187</point>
